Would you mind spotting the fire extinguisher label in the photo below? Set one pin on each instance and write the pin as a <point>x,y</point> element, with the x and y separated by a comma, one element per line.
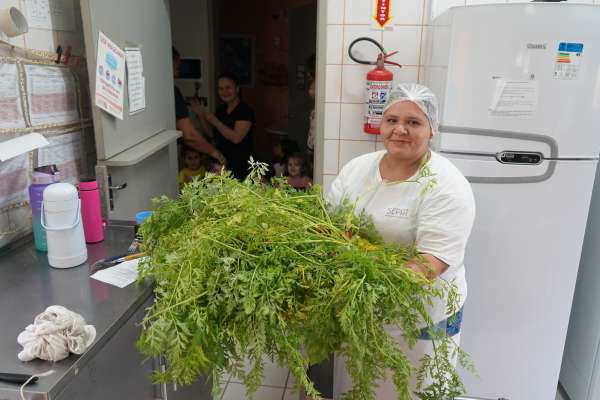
<point>377,94</point>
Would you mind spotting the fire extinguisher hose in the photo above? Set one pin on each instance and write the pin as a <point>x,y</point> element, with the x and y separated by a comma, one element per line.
<point>383,53</point>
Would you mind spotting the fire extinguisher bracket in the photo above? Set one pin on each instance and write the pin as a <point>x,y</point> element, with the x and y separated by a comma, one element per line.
<point>379,85</point>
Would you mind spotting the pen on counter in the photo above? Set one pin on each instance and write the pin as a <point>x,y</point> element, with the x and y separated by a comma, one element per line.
<point>112,261</point>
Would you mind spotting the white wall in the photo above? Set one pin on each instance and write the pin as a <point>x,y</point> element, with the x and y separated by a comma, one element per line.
<point>192,37</point>
<point>345,80</point>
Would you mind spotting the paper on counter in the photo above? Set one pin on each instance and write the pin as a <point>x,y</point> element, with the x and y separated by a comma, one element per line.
<point>21,145</point>
<point>517,99</point>
<point>136,85</point>
<point>121,275</point>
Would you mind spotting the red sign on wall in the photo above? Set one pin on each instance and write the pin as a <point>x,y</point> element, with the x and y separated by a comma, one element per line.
<point>383,14</point>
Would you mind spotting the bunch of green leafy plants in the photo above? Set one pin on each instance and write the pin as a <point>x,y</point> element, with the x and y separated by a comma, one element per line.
<point>245,271</point>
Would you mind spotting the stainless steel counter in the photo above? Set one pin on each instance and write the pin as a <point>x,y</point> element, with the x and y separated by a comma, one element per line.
<point>28,285</point>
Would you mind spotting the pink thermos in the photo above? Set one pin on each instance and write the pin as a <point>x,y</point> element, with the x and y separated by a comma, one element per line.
<point>91,214</point>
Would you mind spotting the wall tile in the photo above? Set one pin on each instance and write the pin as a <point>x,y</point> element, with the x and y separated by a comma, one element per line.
<point>352,149</point>
<point>327,181</point>
<point>330,155</point>
<point>364,50</point>
<point>353,82</point>
<point>41,39</point>
<point>333,83</point>
<point>351,123</point>
<point>437,7</point>
<point>75,40</point>
<point>332,120</point>
<point>335,11</point>
<point>358,12</point>
<point>408,12</point>
<point>405,39</point>
<point>335,44</point>
<point>405,74</point>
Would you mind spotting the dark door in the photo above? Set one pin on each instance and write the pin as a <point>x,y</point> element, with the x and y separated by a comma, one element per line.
<point>302,46</point>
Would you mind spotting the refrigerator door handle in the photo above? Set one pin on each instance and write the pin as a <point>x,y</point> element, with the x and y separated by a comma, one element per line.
<point>505,157</point>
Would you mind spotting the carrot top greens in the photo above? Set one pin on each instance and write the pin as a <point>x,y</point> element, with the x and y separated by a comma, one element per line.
<point>244,271</point>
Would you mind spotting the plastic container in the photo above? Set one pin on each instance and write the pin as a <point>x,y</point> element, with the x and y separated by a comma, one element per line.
<point>91,214</point>
<point>139,218</point>
<point>61,218</point>
<point>41,178</point>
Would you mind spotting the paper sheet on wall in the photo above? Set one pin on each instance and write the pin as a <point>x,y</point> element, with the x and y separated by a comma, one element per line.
<point>14,180</point>
<point>11,113</point>
<point>20,145</point>
<point>136,84</point>
<point>110,76</point>
<point>52,95</point>
<point>121,275</point>
<point>514,99</point>
<point>65,151</point>
<point>56,15</point>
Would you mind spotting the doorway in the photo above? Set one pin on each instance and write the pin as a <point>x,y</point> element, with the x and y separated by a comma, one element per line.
<point>270,46</point>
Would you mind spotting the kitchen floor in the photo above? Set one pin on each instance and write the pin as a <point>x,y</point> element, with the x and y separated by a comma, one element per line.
<point>278,384</point>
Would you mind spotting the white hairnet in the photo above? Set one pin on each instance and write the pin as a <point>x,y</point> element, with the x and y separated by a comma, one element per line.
<point>421,95</point>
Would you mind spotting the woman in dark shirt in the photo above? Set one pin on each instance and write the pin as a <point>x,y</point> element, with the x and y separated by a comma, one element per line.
<point>232,125</point>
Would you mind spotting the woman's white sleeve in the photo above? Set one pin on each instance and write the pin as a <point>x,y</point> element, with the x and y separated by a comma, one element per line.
<point>444,224</point>
<point>336,191</point>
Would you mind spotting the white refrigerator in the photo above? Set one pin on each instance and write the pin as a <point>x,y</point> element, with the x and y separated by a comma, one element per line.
<point>519,86</point>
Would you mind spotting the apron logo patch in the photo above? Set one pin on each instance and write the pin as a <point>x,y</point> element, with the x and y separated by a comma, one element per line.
<point>395,212</point>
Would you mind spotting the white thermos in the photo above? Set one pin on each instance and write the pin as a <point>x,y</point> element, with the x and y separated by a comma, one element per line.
<point>61,218</point>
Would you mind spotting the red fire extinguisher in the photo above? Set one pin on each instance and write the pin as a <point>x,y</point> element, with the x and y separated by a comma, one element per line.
<point>380,81</point>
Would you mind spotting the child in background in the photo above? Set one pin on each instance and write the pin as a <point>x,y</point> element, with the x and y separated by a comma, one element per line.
<point>281,151</point>
<point>296,172</point>
<point>216,167</point>
<point>192,167</point>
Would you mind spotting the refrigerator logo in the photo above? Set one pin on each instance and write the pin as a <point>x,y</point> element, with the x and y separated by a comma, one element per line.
<point>537,46</point>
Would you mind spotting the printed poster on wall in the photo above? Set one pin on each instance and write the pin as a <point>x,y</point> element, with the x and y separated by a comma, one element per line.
<point>110,76</point>
<point>65,151</point>
<point>11,115</point>
<point>52,95</point>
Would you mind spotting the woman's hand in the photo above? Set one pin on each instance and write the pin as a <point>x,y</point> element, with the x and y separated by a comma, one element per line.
<point>197,107</point>
<point>210,117</point>
<point>217,155</point>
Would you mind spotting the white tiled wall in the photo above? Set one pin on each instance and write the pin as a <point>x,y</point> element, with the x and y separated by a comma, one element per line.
<point>345,80</point>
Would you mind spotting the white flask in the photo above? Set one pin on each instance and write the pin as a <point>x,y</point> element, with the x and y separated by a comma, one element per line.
<point>61,218</point>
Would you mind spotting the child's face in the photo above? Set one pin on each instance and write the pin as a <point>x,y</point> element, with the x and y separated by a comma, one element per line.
<point>312,89</point>
<point>278,151</point>
<point>216,168</point>
<point>191,160</point>
<point>294,167</point>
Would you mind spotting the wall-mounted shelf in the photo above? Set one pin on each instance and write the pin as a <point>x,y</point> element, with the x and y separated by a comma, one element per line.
<point>140,151</point>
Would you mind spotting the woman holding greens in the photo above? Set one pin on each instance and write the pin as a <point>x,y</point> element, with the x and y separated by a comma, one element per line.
<point>415,196</point>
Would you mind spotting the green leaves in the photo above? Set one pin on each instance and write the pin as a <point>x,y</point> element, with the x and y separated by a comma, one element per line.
<point>245,271</point>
